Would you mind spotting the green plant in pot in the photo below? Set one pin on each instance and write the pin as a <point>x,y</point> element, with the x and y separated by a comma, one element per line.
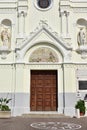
<point>5,111</point>
<point>81,106</point>
<point>3,104</point>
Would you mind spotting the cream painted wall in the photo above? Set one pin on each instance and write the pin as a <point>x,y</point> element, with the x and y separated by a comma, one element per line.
<point>70,78</point>
<point>19,78</point>
<point>15,67</point>
<point>35,15</point>
<point>32,20</point>
<point>6,78</point>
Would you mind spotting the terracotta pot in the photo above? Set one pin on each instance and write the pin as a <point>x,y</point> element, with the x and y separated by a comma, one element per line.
<point>81,114</point>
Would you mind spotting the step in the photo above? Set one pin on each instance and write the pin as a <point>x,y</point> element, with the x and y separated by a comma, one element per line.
<point>44,115</point>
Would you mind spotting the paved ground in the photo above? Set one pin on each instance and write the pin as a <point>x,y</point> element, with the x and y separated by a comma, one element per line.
<point>24,123</point>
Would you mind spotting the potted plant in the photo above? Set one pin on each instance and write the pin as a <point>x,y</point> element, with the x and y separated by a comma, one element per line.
<point>81,106</point>
<point>5,111</point>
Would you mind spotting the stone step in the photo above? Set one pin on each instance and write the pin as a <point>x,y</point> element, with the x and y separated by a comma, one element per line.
<point>44,115</point>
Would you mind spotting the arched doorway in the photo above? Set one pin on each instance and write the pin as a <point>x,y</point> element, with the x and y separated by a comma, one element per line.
<point>43,90</point>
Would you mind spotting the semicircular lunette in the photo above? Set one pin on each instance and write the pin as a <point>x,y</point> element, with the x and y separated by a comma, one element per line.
<point>43,54</point>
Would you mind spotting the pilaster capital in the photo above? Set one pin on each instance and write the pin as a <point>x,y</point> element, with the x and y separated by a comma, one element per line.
<point>64,13</point>
<point>22,13</point>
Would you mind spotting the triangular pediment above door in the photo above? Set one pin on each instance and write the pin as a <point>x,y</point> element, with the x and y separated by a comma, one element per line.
<point>43,33</point>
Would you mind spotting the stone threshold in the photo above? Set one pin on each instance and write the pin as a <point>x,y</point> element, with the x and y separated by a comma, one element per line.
<point>44,115</point>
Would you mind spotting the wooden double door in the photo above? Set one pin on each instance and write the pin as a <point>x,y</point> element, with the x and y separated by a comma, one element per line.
<point>43,90</point>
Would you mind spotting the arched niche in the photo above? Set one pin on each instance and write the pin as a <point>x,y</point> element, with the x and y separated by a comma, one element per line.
<point>43,54</point>
<point>81,32</point>
<point>82,37</point>
<point>82,22</point>
<point>6,22</point>
<point>5,33</point>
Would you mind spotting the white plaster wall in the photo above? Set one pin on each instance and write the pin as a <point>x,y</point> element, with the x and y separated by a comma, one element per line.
<point>6,78</point>
<point>70,78</point>
<point>15,78</point>
<point>35,15</point>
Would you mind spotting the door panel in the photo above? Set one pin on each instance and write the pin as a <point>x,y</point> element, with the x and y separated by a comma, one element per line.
<point>43,90</point>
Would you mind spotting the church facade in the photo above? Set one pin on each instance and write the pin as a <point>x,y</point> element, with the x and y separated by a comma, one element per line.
<point>43,54</point>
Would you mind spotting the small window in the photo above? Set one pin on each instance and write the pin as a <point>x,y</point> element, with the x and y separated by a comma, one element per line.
<point>82,85</point>
<point>44,3</point>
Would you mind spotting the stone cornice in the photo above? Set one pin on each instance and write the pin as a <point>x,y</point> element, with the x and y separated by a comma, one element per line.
<point>8,1</point>
<point>77,66</point>
<point>22,6</point>
<point>4,4</point>
<point>8,11</point>
<point>79,10</point>
<point>74,64</point>
<point>73,3</point>
<point>78,1</point>
<point>22,3</point>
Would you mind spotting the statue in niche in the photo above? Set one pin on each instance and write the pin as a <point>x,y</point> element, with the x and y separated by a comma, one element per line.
<point>81,37</point>
<point>5,36</point>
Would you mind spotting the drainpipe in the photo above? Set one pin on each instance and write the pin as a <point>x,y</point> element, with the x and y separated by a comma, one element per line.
<point>63,88</point>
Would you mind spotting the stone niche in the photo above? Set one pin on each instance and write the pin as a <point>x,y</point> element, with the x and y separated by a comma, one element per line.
<point>5,37</point>
<point>82,37</point>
